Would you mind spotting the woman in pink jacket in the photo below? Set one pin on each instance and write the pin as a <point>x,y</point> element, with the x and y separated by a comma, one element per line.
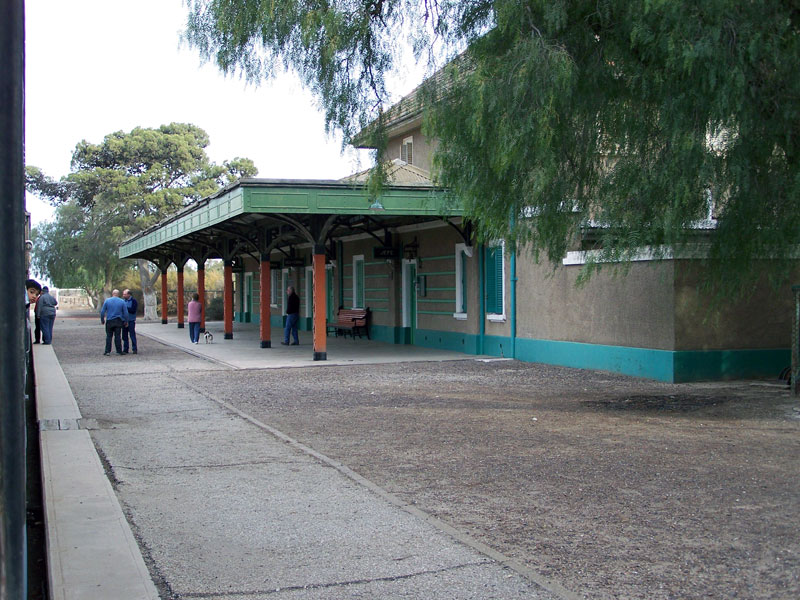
<point>195,310</point>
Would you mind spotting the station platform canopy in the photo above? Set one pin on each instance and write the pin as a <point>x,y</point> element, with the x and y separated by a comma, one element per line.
<point>257,215</point>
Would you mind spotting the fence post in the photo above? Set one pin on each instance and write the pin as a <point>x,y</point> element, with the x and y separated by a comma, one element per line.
<point>796,342</point>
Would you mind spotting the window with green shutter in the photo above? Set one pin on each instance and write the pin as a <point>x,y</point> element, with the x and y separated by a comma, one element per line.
<point>463,307</point>
<point>494,280</point>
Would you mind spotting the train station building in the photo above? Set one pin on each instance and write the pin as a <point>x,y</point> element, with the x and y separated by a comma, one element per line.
<point>409,258</point>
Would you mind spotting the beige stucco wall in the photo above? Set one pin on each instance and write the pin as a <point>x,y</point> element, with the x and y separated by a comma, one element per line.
<point>657,304</point>
<point>379,278</point>
<point>422,152</point>
<point>634,310</point>
<point>762,320</point>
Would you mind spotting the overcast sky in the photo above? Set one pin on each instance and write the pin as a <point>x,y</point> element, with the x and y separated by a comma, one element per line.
<point>94,67</point>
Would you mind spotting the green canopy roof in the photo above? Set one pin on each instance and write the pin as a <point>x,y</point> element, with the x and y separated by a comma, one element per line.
<point>251,211</point>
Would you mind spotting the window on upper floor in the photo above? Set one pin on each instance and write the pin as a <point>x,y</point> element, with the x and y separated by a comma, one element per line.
<point>407,150</point>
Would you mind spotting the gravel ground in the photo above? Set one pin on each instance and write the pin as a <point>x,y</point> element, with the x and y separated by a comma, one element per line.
<point>615,487</point>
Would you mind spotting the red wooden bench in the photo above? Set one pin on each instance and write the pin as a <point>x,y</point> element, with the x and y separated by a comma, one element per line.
<point>350,320</point>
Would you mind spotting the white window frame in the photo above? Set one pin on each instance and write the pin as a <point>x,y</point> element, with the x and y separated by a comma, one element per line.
<point>356,259</point>
<point>409,141</point>
<point>498,317</point>
<point>467,250</point>
<point>274,280</point>
<point>409,287</point>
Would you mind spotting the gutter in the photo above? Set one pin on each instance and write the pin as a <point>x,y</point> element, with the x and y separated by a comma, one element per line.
<point>481,298</point>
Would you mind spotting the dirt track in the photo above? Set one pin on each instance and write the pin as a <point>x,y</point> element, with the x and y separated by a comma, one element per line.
<point>616,487</point>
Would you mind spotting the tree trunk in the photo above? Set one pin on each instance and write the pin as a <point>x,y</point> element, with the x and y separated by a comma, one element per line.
<point>109,280</point>
<point>148,282</point>
<point>94,300</point>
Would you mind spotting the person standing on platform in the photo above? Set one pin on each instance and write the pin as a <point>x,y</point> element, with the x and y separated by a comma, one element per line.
<point>130,330</point>
<point>114,314</point>
<point>32,290</point>
<point>195,315</point>
<point>292,317</point>
<point>46,311</point>
<point>37,331</point>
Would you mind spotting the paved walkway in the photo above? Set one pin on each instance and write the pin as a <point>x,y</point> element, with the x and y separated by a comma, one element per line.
<point>244,351</point>
<point>223,505</point>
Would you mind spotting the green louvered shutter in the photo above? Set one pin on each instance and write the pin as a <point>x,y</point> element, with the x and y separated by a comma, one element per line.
<point>494,280</point>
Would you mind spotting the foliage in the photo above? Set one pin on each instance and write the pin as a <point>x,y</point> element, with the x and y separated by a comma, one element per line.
<point>613,121</point>
<point>117,188</point>
<point>75,251</point>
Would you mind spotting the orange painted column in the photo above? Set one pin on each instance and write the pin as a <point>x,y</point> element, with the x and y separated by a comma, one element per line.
<point>320,310</point>
<point>263,311</point>
<point>228,300</point>
<point>201,291</point>
<point>164,319</point>
<point>179,300</point>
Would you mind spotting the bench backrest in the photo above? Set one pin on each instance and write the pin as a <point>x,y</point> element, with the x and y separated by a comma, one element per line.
<point>347,315</point>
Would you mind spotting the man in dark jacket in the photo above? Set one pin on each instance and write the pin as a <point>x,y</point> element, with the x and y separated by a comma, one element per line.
<point>292,317</point>
<point>130,330</point>
<point>114,315</point>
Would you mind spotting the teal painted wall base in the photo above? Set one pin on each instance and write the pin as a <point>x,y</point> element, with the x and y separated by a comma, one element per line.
<point>639,362</point>
<point>447,340</point>
<point>390,335</point>
<point>731,364</point>
<point>662,365</point>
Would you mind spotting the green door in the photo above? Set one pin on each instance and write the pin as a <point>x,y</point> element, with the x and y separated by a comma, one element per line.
<point>248,298</point>
<point>330,309</point>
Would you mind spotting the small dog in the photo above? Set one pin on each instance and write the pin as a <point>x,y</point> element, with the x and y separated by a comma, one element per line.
<point>209,337</point>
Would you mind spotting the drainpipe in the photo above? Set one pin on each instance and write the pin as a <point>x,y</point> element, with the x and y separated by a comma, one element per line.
<point>514,304</point>
<point>481,297</point>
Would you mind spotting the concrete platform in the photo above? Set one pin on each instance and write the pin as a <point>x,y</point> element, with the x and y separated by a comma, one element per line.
<point>91,551</point>
<point>244,350</point>
<point>224,505</point>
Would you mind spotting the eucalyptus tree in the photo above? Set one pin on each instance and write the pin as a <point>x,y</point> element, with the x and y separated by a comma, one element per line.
<point>624,123</point>
<point>117,188</point>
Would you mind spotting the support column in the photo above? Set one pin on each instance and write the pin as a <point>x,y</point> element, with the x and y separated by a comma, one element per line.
<point>164,319</point>
<point>228,300</point>
<point>201,291</point>
<point>266,294</point>
<point>179,299</point>
<point>320,308</point>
